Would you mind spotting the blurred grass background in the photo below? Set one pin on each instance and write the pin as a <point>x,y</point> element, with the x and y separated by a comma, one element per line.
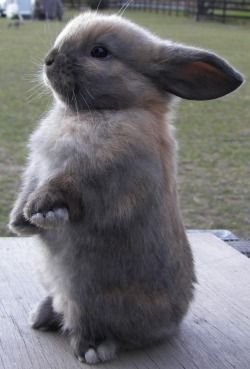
<point>214,148</point>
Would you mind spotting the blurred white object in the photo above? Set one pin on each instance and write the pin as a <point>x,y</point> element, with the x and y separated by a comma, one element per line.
<point>12,10</point>
<point>2,7</point>
<point>20,8</point>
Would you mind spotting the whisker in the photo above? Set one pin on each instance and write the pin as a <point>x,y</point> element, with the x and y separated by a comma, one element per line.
<point>88,108</point>
<point>36,86</point>
<point>92,97</point>
<point>124,8</point>
<point>40,52</point>
<point>32,78</point>
<point>98,6</point>
<point>76,106</point>
<point>43,41</point>
<point>42,90</point>
<point>38,90</point>
<point>36,97</point>
<point>50,99</point>
<point>35,74</point>
<point>37,61</point>
<point>67,98</point>
<point>48,31</point>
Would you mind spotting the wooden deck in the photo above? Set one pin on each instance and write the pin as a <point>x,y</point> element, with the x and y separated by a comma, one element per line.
<point>214,335</point>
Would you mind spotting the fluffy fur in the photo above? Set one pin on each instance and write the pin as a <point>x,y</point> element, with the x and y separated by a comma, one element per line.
<point>99,190</point>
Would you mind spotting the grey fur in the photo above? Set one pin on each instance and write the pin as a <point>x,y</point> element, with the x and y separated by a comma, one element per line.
<point>100,188</point>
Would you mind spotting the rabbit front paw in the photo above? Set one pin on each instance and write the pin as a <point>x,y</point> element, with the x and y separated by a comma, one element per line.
<point>50,219</point>
<point>44,211</point>
<point>21,226</point>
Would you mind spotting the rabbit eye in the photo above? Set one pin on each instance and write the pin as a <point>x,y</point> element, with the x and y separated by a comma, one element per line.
<point>99,52</point>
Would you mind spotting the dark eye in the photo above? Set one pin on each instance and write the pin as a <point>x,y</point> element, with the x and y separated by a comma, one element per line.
<point>99,52</point>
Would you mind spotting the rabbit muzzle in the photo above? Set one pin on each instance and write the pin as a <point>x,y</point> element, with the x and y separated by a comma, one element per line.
<point>60,69</point>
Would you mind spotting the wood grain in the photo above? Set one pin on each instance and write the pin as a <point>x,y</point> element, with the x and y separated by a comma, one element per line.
<point>214,335</point>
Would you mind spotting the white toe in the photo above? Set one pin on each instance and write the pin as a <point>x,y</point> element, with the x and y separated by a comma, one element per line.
<point>91,357</point>
<point>107,350</point>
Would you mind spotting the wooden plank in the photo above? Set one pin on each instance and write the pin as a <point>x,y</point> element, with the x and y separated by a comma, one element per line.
<point>214,335</point>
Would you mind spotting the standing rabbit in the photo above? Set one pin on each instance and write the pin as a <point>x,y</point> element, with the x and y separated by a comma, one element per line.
<point>100,190</point>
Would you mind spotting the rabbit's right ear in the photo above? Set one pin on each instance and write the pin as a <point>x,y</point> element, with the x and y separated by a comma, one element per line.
<point>193,74</point>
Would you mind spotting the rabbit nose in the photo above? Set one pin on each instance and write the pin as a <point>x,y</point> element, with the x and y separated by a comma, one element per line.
<point>50,58</point>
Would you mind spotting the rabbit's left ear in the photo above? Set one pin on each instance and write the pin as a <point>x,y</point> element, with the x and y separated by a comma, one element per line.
<point>193,74</point>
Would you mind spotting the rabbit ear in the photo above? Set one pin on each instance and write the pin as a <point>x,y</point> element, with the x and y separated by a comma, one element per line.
<point>194,74</point>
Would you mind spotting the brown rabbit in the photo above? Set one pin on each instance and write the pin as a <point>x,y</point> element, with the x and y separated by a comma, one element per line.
<point>100,185</point>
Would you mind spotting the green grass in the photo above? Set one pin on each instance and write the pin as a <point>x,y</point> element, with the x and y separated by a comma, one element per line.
<point>213,136</point>
<point>232,13</point>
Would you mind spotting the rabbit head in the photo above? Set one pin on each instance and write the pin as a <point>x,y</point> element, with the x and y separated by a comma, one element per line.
<point>107,62</point>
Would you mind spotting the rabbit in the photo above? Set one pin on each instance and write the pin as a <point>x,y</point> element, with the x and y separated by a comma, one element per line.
<point>99,191</point>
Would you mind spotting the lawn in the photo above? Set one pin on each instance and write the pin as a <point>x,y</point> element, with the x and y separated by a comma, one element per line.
<point>214,149</point>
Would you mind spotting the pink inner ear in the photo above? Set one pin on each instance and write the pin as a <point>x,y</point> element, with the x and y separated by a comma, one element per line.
<point>198,69</point>
<point>200,76</point>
